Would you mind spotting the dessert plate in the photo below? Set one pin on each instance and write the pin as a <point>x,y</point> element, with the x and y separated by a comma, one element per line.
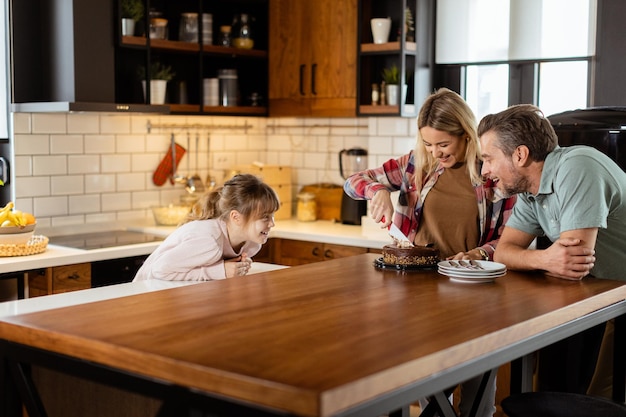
<point>474,280</point>
<point>475,267</point>
<point>468,274</point>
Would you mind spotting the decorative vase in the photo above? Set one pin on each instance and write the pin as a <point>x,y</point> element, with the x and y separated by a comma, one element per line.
<point>380,29</point>
<point>128,27</point>
<point>392,94</point>
<point>157,91</point>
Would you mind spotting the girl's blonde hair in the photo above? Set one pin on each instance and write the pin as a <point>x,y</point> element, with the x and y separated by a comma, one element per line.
<point>446,111</point>
<point>245,193</point>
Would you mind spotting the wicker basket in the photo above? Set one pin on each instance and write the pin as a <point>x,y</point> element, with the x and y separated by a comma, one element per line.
<point>36,244</point>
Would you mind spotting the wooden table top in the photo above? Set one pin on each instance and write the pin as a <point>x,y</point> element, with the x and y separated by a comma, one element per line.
<point>315,339</point>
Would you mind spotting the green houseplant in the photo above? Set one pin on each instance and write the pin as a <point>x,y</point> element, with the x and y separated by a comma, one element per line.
<point>160,74</point>
<point>132,11</point>
<point>391,76</point>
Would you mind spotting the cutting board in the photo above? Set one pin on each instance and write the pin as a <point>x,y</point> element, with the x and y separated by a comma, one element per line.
<point>328,197</point>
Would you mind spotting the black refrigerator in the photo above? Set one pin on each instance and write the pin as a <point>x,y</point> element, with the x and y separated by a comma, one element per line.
<point>604,128</point>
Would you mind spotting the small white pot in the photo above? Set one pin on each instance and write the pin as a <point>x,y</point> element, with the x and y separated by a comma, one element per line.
<point>392,94</point>
<point>157,91</point>
<point>128,27</point>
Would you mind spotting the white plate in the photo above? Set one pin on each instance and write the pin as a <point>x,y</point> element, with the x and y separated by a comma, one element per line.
<point>472,280</point>
<point>485,267</point>
<point>459,273</point>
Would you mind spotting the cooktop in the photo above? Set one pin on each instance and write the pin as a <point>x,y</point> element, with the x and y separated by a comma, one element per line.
<point>97,240</point>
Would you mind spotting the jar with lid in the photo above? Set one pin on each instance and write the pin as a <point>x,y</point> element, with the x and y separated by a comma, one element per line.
<point>307,207</point>
<point>188,30</point>
<point>242,33</point>
<point>225,36</point>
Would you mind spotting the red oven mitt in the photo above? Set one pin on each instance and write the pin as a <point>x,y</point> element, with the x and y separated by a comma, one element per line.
<point>165,169</point>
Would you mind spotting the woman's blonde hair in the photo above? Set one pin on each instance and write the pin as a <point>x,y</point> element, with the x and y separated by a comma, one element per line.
<point>245,193</point>
<point>446,111</point>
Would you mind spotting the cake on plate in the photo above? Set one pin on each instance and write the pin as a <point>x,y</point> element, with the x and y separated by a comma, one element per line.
<point>399,254</point>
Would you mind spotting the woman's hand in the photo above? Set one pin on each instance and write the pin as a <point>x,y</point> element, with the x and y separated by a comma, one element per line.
<point>381,208</point>
<point>237,267</point>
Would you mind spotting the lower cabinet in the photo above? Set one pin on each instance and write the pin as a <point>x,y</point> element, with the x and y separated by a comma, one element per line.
<point>59,279</point>
<point>298,252</point>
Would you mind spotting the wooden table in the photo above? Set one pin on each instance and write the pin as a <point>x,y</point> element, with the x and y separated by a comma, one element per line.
<point>333,338</point>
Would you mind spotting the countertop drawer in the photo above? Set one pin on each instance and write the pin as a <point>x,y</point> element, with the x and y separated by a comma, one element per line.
<point>59,279</point>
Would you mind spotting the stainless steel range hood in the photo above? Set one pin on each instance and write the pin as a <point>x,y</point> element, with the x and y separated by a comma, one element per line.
<point>65,106</point>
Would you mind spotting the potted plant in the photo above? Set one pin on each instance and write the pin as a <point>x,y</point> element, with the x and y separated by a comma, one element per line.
<point>132,11</point>
<point>160,74</point>
<point>391,77</point>
<point>409,25</point>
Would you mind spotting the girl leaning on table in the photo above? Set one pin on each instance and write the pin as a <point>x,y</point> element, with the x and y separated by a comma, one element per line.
<point>443,200</point>
<point>224,230</point>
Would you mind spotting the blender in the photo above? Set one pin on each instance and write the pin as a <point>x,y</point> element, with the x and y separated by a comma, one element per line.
<point>352,161</point>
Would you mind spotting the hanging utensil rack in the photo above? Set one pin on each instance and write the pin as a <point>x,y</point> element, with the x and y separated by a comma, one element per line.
<point>196,126</point>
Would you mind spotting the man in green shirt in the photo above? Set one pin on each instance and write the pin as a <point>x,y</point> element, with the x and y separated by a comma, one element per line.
<point>575,196</point>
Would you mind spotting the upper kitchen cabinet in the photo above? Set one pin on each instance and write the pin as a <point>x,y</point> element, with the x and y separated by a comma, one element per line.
<point>403,58</point>
<point>72,55</point>
<point>211,74</point>
<point>313,58</point>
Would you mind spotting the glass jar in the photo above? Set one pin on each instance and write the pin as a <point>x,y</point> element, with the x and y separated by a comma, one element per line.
<point>242,34</point>
<point>307,207</point>
<point>225,37</point>
<point>188,30</point>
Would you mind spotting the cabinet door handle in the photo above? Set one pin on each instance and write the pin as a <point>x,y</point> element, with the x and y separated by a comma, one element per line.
<point>316,251</point>
<point>329,254</point>
<point>313,71</point>
<point>73,276</point>
<point>302,79</point>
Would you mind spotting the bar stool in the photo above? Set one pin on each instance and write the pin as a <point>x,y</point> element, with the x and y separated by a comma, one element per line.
<point>560,404</point>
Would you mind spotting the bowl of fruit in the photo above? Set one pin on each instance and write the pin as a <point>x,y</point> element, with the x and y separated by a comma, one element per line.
<point>16,226</point>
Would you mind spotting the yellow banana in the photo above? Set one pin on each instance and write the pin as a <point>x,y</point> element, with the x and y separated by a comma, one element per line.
<point>15,217</point>
<point>4,212</point>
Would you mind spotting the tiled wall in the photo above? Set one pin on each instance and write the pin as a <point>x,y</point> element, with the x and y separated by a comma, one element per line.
<point>79,168</point>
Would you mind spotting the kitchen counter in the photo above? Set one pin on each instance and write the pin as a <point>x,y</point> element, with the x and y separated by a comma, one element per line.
<point>31,305</point>
<point>366,236</point>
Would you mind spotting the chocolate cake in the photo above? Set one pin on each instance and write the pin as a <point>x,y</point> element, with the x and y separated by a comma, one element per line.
<point>412,256</point>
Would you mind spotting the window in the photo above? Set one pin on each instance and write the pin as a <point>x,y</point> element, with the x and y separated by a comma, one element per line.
<point>551,43</point>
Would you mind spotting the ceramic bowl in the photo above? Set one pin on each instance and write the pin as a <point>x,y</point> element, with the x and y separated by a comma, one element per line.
<point>169,215</point>
<point>14,235</point>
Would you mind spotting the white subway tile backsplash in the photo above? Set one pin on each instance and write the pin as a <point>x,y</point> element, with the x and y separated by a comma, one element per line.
<point>80,204</point>
<point>50,165</point>
<point>115,201</point>
<point>87,123</point>
<point>98,167</point>
<point>115,163</point>
<point>21,123</point>
<point>130,182</point>
<point>31,144</point>
<point>113,123</point>
<point>83,164</point>
<point>23,166</point>
<point>49,123</point>
<point>100,183</point>
<point>51,206</point>
<point>67,185</point>
<point>66,144</point>
<point>99,144</point>
<point>32,187</point>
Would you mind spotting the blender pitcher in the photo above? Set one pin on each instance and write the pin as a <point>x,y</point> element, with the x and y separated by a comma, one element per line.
<point>352,161</point>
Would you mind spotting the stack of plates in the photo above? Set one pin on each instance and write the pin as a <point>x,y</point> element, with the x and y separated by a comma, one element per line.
<point>471,271</point>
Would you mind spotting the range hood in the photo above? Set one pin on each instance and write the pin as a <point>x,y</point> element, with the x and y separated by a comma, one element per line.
<point>63,59</point>
<point>66,106</point>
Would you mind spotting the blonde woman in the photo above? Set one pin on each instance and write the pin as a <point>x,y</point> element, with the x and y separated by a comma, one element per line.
<point>443,200</point>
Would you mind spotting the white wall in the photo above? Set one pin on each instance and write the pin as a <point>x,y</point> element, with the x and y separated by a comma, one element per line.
<point>79,168</point>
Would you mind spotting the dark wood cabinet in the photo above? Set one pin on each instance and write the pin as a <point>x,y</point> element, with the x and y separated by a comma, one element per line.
<point>71,55</point>
<point>410,49</point>
<point>312,58</point>
<point>59,279</point>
